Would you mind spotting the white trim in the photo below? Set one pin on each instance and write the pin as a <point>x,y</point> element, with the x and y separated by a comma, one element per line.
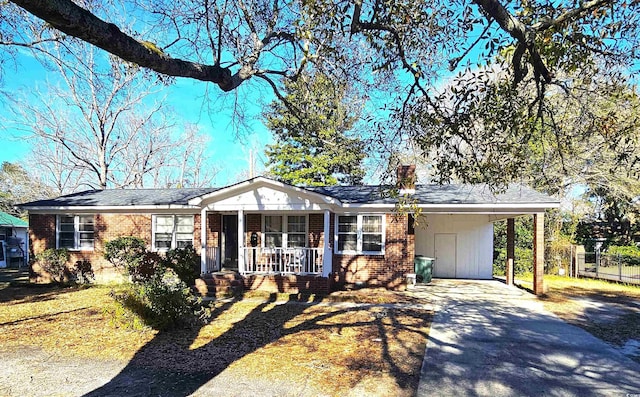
<point>359,233</point>
<point>462,208</point>
<point>241,233</point>
<point>327,254</point>
<point>174,241</point>
<point>255,183</point>
<point>76,233</point>
<point>203,241</point>
<point>128,209</point>
<point>284,217</point>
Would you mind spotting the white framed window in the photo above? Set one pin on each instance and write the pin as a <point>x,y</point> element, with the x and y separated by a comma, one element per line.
<point>273,231</point>
<point>75,232</point>
<point>172,231</point>
<point>360,234</point>
<point>285,231</point>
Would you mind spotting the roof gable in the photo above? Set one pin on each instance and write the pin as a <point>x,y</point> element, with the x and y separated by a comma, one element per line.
<point>263,194</point>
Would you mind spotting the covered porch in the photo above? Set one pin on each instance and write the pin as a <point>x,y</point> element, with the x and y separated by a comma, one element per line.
<point>257,228</point>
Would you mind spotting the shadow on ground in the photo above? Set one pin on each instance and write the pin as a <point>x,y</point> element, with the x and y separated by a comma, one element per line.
<point>170,366</point>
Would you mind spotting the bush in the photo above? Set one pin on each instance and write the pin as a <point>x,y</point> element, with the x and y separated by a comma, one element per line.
<point>523,263</point>
<point>629,255</point>
<point>54,262</point>
<point>185,262</point>
<point>130,254</point>
<point>161,302</point>
<point>84,272</point>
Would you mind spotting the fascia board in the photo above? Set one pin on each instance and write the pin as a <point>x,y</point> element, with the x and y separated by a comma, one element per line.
<point>256,183</point>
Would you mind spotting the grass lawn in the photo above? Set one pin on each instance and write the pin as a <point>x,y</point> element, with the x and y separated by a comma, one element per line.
<point>375,347</point>
<point>608,310</point>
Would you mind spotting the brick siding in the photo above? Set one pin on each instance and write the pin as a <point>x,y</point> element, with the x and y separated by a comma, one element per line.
<point>386,270</point>
<point>42,236</point>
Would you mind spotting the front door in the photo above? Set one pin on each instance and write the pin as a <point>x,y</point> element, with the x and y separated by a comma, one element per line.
<point>445,253</point>
<point>229,242</point>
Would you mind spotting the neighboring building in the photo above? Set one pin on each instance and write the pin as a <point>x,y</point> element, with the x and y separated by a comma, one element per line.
<point>13,241</point>
<point>293,238</point>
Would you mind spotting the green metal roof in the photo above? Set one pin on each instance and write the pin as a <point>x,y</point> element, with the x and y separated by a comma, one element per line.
<point>10,220</point>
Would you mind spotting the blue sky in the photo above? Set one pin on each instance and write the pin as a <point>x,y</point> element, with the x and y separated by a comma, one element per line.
<point>228,149</point>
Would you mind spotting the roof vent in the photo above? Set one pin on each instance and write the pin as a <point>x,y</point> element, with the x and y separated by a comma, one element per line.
<point>407,179</point>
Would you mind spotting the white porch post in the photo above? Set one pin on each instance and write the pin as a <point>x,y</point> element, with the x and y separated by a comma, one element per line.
<point>327,258</point>
<point>203,241</point>
<point>241,241</point>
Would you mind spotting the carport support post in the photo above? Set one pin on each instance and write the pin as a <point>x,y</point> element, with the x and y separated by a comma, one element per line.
<point>511,231</point>
<point>538,253</point>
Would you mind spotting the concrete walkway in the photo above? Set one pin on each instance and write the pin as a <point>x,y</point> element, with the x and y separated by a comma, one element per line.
<point>488,339</point>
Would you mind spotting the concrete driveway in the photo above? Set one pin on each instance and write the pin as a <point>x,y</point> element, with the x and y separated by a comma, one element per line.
<point>489,339</point>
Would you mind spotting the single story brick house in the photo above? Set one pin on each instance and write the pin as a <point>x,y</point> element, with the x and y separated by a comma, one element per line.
<point>295,238</point>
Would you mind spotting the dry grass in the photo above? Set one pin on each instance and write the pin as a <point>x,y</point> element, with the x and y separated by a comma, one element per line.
<point>333,347</point>
<point>608,310</point>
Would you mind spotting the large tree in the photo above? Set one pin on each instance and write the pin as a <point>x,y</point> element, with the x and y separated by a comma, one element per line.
<point>313,142</point>
<point>18,186</point>
<point>105,128</point>
<point>533,44</point>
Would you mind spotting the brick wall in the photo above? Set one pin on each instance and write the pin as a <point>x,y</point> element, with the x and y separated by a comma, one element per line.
<point>316,230</point>
<point>214,226</point>
<point>42,235</point>
<point>293,284</point>
<point>386,270</point>
<point>253,224</point>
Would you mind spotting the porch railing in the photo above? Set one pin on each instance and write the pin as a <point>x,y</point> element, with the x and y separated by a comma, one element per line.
<point>213,259</point>
<point>283,260</point>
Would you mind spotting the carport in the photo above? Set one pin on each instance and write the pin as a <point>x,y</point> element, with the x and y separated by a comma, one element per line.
<point>456,228</point>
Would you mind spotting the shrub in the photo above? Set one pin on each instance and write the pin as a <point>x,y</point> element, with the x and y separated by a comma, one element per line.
<point>161,302</point>
<point>84,272</point>
<point>627,254</point>
<point>130,254</point>
<point>523,263</point>
<point>185,262</point>
<point>54,262</point>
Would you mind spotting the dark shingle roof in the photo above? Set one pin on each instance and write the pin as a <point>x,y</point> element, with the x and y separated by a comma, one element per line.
<point>436,194</point>
<point>123,197</point>
<point>371,194</point>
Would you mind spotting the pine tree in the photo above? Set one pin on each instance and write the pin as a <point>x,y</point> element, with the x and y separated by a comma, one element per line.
<point>313,146</point>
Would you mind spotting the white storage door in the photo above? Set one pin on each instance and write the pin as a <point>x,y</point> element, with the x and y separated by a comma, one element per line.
<point>445,253</point>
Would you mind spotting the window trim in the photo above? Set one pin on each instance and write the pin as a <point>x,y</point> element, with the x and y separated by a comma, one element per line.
<point>76,233</point>
<point>285,232</point>
<point>359,234</point>
<point>174,232</point>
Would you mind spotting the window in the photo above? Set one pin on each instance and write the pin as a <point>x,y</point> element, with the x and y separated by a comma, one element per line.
<point>360,233</point>
<point>75,232</point>
<point>273,231</point>
<point>285,231</point>
<point>172,231</point>
<point>296,231</point>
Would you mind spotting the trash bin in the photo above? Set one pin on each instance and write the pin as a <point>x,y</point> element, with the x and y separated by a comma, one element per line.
<point>423,267</point>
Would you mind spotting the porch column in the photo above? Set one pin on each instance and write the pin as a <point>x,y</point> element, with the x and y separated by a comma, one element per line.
<point>203,241</point>
<point>510,250</point>
<point>327,258</point>
<point>538,253</point>
<point>241,241</point>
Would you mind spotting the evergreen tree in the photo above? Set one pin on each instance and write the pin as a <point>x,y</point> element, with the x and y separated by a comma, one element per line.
<point>312,145</point>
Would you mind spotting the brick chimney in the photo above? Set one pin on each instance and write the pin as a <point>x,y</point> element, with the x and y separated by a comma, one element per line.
<point>407,179</point>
